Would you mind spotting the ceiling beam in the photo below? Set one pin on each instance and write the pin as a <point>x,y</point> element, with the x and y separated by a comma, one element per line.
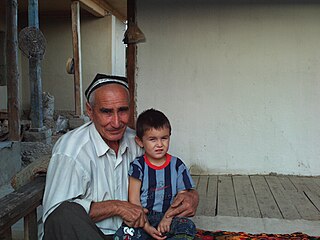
<point>111,10</point>
<point>101,8</point>
<point>94,8</point>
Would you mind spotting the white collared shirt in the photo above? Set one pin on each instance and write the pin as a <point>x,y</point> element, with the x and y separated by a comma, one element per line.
<point>83,168</point>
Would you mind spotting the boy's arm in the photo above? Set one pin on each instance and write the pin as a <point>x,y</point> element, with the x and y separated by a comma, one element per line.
<point>134,191</point>
<point>134,197</point>
<point>164,225</point>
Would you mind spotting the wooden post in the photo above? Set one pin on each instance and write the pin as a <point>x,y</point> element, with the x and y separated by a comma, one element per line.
<point>31,226</point>
<point>12,71</point>
<point>35,73</point>
<point>6,235</point>
<point>78,98</point>
<point>131,64</point>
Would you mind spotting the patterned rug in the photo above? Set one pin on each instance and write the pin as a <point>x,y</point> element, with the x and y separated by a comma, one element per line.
<point>223,235</point>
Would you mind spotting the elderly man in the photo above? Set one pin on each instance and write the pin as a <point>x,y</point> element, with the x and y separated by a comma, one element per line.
<point>87,180</point>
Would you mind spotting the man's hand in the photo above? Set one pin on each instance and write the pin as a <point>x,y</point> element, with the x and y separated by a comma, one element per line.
<point>133,215</point>
<point>184,205</point>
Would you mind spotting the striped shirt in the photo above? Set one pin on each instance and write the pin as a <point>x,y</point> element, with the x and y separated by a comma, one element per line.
<point>160,184</point>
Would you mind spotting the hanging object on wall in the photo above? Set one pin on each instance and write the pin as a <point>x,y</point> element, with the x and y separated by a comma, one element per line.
<point>133,34</point>
<point>32,42</point>
<point>70,66</point>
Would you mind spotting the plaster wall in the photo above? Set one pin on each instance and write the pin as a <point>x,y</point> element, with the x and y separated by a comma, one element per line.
<point>239,82</point>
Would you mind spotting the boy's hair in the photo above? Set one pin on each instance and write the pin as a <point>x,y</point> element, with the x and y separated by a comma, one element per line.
<point>149,119</point>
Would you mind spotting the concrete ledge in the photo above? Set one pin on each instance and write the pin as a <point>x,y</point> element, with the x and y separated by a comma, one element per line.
<point>38,135</point>
<point>10,160</point>
<point>257,225</point>
<point>77,121</point>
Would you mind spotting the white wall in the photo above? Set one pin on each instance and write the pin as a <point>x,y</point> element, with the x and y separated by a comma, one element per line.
<point>239,82</point>
<point>118,48</point>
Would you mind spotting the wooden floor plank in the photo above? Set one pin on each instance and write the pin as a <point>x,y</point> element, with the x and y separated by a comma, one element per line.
<point>317,180</point>
<point>314,199</point>
<point>212,186</point>
<point>267,204</point>
<point>195,179</point>
<point>226,198</point>
<point>207,189</point>
<point>246,200</point>
<point>305,208</point>
<point>279,197</point>
<point>202,191</point>
<point>212,196</point>
<point>202,186</point>
<point>284,203</point>
<point>287,184</point>
<point>311,184</point>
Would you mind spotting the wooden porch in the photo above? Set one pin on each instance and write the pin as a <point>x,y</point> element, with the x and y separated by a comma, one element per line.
<point>259,196</point>
<point>254,197</point>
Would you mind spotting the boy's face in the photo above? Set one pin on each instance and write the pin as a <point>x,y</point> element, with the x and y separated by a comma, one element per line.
<point>155,143</point>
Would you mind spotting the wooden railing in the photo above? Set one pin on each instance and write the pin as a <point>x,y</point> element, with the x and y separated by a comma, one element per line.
<point>22,203</point>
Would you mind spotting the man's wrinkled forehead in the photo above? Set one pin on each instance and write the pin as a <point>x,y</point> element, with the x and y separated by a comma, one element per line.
<point>102,79</point>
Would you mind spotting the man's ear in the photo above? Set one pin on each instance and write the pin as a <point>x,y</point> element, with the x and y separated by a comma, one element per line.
<point>138,141</point>
<point>89,110</point>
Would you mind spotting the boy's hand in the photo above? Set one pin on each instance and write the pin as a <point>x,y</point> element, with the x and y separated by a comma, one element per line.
<point>154,233</point>
<point>164,225</point>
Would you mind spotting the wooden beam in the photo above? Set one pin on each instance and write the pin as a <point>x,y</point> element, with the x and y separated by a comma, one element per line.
<point>35,73</point>
<point>94,8</point>
<point>76,41</point>
<point>131,65</point>
<point>20,203</point>
<point>12,71</point>
<point>110,9</point>
<point>31,226</point>
<point>101,8</point>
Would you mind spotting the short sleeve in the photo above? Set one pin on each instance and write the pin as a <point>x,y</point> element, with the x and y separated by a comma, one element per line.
<point>135,170</point>
<point>184,181</point>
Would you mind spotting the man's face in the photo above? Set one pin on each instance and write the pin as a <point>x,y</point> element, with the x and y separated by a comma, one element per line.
<point>110,111</point>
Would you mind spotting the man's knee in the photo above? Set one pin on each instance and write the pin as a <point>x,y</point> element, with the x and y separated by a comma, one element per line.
<point>70,221</point>
<point>65,214</point>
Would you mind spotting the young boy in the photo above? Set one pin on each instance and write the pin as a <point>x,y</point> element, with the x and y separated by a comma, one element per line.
<point>154,180</point>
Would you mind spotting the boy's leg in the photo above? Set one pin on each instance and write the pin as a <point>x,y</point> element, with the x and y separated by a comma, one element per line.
<point>125,232</point>
<point>182,228</point>
<point>70,221</point>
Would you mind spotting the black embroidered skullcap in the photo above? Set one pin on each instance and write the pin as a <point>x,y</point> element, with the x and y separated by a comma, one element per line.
<point>102,79</point>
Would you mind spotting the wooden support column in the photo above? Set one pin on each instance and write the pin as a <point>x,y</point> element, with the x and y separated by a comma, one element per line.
<point>12,71</point>
<point>76,41</point>
<point>131,65</point>
<point>31,226</point>
<point>35,73</point>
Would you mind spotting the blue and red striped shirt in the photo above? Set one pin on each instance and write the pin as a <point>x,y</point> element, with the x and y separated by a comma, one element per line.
<point>159,185</point>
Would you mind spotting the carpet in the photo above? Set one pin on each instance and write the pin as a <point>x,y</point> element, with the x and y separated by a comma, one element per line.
<point>224,235</point>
